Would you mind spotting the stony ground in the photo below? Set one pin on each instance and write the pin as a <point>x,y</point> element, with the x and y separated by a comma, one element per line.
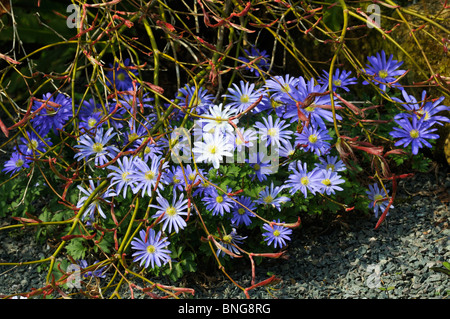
<point>346,259</point>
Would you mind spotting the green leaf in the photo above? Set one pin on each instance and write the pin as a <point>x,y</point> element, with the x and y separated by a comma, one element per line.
<point>184,261</point>
<point>104,245</point>
<point>46,216</point>
<point>420,163</point>
<point>76,249</point>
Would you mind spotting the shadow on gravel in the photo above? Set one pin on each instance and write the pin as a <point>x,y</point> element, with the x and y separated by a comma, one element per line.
<point>353,260</point>
<point>350,259</point>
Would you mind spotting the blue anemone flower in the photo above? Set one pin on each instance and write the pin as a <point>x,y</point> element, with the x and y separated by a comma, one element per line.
<point>330,181</point>
<point>281,86</point>
<point>242,213</point>
<point>286,149</point>
<point>340,79</point>
<point>379,199</point>
<point>270,196</point>
<point>424,108</point>
<point>90,115</point>
<point>151,249</point>
<point>261,165</point>
<point>98,272</point>
<point>95,204</point>
<point>314,140</point>
<point>216,202</point>
<point>135,133</point>
<point>173,213</point>
<point>278,235</point>
<point>262,63</point>
<point>414,132</point>
<point>146,176</point>
<point>120,175</point>
<point>302,180</point>
<point>202,102</point>
<point>243,96</point>
<point>90,123</point>
<point>16,163</point>
<point>33,144</point>
<point>383,71</point>
<point>97,146</point>
<point>331,162</point>
<point>310,99</point>
<point>174,177</point>
<point>52,117</point>
<point>274,131</point>
<point>235,138</point>
<point>229,242</point>
<point>120,78</point>
<point>190,175</point>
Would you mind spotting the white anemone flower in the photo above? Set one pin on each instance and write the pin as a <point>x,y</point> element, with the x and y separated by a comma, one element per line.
<point>213,148</point>
<point>218,119</point>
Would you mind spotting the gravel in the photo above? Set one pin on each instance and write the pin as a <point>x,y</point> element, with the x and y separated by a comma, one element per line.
<point>341,260</point>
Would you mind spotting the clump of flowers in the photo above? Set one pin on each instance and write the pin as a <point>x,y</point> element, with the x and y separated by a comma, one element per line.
<point>255,154</point>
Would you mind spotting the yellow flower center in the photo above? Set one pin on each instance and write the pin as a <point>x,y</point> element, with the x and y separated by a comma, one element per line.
<point>378,197</point>
<point>92,122</point>
<point>191,177</point>
<point>121,76</point>
<point>176,180</point>
<point>245,98</point>
<point>97,147</point>
<point>337,82</point>
<point>421,113</point>
<point>268,199</point>
<point>149,175</point>
<point>330,166</point>
<point>218,122</point>
<point>256,167</point>
<point>275,104</point>
<point>276,233</point>
<point>219,199</point>
<point>33,144</point>
<point>19,163</point>
<point>310,108</point>
<point>272,132</point>
<point>312,138</point>
<point>326,182</point>
<point>147,150</point>
<point>304,181</point>
<point>212,149</point>
<point>383,74</point>
<point>151,249</point>
<point>171,211</point>
<point>227,239</point>
<point>241,211</point>
<point>124,177</point>
<point>414,133</point>
<point>132,137</point>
